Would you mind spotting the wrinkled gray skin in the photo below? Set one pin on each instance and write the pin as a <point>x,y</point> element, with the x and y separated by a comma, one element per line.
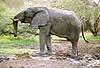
<point>49,21</point>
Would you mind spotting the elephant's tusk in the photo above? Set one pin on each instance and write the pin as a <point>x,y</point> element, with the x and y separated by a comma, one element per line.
<point>14,19</point>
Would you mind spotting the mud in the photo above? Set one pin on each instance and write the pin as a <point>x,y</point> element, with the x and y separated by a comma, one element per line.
<point>89,57</point>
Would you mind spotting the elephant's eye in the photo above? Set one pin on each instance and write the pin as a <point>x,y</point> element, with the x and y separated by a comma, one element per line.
<point>29,15</point>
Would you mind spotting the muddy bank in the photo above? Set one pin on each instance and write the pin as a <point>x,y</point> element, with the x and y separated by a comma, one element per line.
<point>89,57</point>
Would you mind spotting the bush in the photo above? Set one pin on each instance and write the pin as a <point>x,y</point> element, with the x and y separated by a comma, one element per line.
<point>5,21</point>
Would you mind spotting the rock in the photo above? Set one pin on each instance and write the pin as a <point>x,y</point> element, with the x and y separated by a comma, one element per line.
<point>11,67</point>
<point>3,58</point>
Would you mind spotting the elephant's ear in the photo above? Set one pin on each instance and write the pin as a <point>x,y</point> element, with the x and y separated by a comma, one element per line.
<point>40,19</point>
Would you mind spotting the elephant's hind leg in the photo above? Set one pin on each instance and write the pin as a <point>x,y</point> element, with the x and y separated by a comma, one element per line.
<point>74,49</point>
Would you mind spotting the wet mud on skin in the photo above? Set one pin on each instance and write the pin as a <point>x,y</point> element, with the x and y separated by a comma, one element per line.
<point>89,57</point>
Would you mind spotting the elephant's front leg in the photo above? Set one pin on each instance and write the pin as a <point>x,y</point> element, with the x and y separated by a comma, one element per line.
<point>48,43</point>
<point>42,40</point>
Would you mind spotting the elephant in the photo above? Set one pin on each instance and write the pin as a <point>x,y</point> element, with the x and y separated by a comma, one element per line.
<point>51,21</point>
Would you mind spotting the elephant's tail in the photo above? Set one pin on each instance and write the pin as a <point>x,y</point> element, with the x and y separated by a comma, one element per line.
<point>83,34</point>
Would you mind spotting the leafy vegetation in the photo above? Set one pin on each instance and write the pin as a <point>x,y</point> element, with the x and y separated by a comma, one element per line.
<point>81,7</point>
<point>5,15</point>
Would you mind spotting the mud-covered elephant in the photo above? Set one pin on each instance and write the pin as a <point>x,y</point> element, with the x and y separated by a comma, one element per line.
<point>50,21</point>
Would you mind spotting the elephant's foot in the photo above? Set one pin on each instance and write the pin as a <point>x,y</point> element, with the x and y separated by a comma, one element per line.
<point>49,53</point>
<point>42,54</point>
<point>39,54</point>
<point>74,55</point>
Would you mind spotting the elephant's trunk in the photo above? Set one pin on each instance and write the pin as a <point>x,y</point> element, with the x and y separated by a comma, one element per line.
<point>15,25</point>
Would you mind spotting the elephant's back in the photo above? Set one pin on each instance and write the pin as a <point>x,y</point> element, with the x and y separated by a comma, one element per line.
<point>64,23</point>
<point>58,12</point>
<point>61,16</point>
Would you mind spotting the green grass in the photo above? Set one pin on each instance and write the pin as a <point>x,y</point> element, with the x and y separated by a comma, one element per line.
<point>10,40</point>
<point>14,51</point>
<point>90,37</point>
<point>20,41</point>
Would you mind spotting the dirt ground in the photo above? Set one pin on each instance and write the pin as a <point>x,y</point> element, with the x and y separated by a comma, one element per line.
<point>89,57</point>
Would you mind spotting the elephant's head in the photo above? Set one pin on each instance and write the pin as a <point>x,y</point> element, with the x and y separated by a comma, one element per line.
<point>36,16</point>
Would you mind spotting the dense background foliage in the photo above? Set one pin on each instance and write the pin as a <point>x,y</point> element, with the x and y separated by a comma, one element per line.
<point>87,11</point>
